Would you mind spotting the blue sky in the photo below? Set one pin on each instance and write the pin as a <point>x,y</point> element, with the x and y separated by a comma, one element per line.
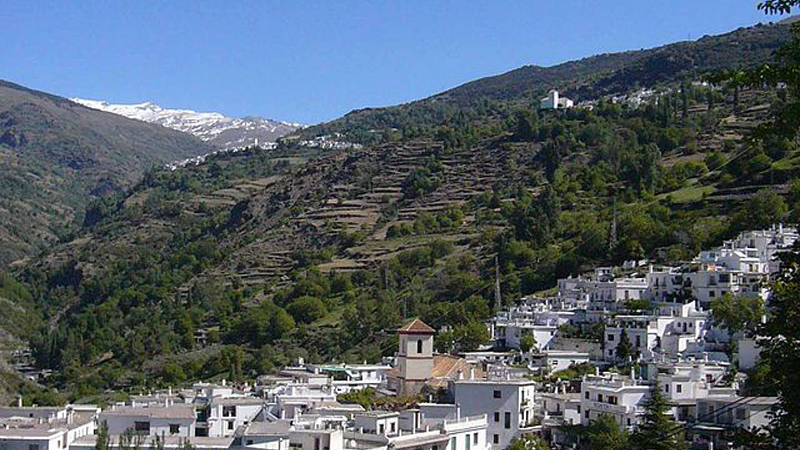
<point>310,61</point>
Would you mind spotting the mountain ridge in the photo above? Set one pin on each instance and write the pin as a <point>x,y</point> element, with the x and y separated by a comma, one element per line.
<point>212,127</point>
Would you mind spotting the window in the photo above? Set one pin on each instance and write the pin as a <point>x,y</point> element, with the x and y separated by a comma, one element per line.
<point>316,443</point>
<point>495,439</point>
<point>229,411</point>
<point>666,388</point>
<point>381,428</point>
<point>392,427</point>
<point>453,443</point>
<point>497,416</point>
<point>638,341</point>
<point>611,337</point>
<point>475,438</point>
<point>599,397</point>
<point>678,388</point>
<point>497,394</point>
<point>467,442</point>
<point>629,421</point>
<point>740,414</point>
<point>419,346</point>
<point>174,428</point>
<point>507,424</point>
<point>33,446</point>
<point>712,294</point>
<point>586,414</point>
<point>579,409</point>
<point>586,395</point>
<point>141,427</point>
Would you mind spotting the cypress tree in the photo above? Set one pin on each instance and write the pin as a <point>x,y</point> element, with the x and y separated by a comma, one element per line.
<point>624,348</point>
<point>658,431</point>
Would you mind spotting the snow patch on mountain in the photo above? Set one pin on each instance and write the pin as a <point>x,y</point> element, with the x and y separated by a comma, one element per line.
<point>215,128</point>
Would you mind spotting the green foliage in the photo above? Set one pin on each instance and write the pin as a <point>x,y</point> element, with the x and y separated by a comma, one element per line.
<point>528,442</point>
<point>526,343</point>
<point>625,349</point>
<point>780,361</point>
<point>761,211</point>
<point>603,433</point>
<point>307,309</point>
<point>574,371</point>
<point>419,182</point>
<point>738,313</point>
<point>657,430</point>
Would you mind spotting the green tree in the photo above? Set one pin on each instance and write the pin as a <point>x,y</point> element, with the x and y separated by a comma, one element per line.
<point>470,336</point>
<point>625,350</point>
<point>738,313</point>
<point>604,433</point>
<point>233,360</point>
<point>528,442</point>
<point>527,126</point>
<point>780,356</point>
<point>307,309</point>
<point>103,439</point>
<point>763,210</point>
<point>658,430</point>
<point>526,343</point>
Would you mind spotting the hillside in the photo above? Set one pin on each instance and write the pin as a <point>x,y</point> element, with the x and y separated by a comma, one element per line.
<point>56,156</point>
<point>256,257</point>
<point>585,79</point>
<point>234,266</point>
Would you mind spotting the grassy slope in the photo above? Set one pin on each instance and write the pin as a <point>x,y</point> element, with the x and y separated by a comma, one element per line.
<point>55,156</point>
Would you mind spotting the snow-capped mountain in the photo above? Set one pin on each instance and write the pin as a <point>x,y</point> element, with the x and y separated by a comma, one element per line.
<point>214,128</point>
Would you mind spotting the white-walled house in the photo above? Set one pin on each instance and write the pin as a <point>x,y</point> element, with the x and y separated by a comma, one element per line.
<point>44,428</point>
<point>176,420</point>
<point>717,415</point>
<point>225,415</point>
<point>615,395</point>
<point>749,353</point>
<point>555,101</point>
<point>508,405</point>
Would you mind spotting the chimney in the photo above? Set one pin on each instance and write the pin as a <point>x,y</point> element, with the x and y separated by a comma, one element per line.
<point>19,401</point>
<point>597,371</point>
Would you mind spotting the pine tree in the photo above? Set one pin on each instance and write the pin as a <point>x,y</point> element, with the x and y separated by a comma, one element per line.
<point>657,431</point>
<point>625,349</point>
<point>103,440</point>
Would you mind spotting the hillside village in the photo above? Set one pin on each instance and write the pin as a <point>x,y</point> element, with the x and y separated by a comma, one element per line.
<point>543,372</point>
<point>602,254</point>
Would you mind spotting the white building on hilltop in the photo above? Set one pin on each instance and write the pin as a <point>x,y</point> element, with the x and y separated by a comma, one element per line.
<point>554,101</point>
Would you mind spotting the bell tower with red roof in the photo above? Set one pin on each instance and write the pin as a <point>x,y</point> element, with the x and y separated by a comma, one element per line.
<point>415,356</point>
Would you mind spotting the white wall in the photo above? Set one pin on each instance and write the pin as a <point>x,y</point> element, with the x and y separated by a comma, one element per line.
<point>516,400</point>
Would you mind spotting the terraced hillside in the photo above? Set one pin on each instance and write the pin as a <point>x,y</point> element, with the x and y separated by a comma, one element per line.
<point>232,267</point>
<point>292,252</point>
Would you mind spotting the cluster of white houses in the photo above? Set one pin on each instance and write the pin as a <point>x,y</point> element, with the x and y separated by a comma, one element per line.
<point>484,399</point>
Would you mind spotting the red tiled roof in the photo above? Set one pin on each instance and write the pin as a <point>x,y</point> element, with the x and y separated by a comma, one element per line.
<point>416,326</point>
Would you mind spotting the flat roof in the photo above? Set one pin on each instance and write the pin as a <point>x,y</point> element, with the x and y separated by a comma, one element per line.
<point>165,412</point>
